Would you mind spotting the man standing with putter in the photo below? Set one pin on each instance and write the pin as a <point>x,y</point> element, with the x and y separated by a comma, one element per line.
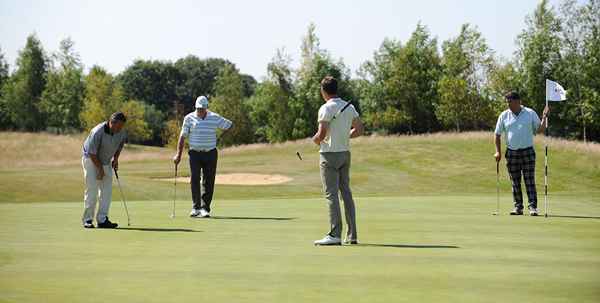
<point>338,122</point>
<point>520,124</point>
<point>101,151</point>
<point>200,127</point>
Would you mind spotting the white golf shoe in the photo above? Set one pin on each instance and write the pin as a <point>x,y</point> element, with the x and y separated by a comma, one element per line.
<point>329,240</point>
<point>204,213</point>
<point>194,212</point>
<point>533,212</point>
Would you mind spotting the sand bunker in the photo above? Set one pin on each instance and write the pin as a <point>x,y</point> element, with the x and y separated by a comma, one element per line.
<point>240,179</point>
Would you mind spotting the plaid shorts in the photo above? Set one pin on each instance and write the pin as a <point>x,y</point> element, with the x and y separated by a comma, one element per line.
<point>522,162</point>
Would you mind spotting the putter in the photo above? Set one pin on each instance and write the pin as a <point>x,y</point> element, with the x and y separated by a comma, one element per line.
<point>497,189</point>
<point>175,194</point>
<point>122,198</point>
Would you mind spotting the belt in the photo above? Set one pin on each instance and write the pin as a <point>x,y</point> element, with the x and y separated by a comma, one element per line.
<point>521,149</point>
<point>202,150</point>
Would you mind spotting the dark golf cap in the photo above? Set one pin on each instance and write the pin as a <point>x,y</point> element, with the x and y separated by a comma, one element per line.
<point>512,96</point>
<point>118,116</point>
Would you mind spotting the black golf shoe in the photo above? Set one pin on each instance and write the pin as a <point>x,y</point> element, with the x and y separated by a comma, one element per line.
<point>107,224</point>
<point>350,242</point>
<point>516,212</point>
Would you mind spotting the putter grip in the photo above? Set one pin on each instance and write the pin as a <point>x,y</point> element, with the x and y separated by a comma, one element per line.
<point>116,174</point>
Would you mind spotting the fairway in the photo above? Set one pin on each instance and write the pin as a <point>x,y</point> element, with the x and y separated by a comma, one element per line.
<point>420,249</point>
<point>425,227</point>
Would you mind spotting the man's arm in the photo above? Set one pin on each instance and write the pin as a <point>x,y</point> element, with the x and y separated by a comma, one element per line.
<point>115,162</point>
<point>357,128</point>
<point>224,131</point>
<point>99,169</point>
<point>544,122</point>
<point>498,143</point>
<point>180,145</point>
<point>321,132</point>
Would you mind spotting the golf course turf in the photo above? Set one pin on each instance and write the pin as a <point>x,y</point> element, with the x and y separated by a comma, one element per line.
<point>425,228</point>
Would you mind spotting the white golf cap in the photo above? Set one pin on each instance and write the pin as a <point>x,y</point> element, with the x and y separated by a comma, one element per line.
<point>202,102</point>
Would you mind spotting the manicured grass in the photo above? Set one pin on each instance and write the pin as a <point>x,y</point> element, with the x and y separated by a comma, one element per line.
<point>413,249</point>
<point>439,164</point>
<point>424,221</point>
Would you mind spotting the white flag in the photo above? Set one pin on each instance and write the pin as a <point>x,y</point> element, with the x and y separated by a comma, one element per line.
<point>555,92</point>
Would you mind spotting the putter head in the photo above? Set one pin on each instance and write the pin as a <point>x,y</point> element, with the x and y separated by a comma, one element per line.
<point>172,216</point>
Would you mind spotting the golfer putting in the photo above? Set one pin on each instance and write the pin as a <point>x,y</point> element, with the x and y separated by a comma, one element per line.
<point>338,122</point>
<point>520,124</point>
<point>101,151</point>
<point>200,127</point>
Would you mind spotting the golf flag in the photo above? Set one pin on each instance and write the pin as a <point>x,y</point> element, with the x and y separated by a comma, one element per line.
<point>554,91</point>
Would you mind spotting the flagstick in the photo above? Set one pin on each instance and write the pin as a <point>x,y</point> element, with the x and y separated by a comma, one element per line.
<point>546,166</point>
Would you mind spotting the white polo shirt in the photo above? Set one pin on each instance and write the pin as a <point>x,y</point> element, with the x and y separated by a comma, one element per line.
<point>519,129</point>
<point>202,133</point>
<point>338,134</point>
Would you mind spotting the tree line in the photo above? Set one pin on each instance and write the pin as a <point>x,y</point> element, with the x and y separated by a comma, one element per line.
<point>411,87</point>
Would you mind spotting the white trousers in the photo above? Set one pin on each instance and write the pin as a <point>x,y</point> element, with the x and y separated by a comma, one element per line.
<point>93,187</point>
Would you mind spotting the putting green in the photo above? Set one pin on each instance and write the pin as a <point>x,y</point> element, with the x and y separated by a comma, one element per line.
<point>424,207</point>
<point>413,249</point>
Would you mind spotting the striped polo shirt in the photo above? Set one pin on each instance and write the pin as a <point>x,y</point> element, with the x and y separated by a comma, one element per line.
<point>519,128</point>
<point>202,133</point>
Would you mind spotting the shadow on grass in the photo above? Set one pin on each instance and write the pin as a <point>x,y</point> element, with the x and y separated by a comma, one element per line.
<point>186,230</point>
<point>403,245</point>
<point>250,218</point>
<point>573,217</point>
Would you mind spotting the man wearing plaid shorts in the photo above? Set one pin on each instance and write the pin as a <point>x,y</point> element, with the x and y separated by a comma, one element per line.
<point>520,124</point>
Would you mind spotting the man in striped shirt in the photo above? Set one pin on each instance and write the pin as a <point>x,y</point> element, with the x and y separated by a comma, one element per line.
<point>200,127</point>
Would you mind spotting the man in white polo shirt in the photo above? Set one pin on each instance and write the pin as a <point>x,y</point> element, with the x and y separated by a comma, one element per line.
<point>520,124</point>
<point>200,127</point>
<point>338,122</point>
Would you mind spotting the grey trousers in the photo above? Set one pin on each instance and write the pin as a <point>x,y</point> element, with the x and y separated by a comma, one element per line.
<point>335,175</point>
<point>203,166</point>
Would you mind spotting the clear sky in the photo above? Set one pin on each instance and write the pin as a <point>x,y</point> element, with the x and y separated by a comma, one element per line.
<point>113,33</point>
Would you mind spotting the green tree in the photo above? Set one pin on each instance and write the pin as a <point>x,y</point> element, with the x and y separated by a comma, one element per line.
<point>62,99</point>
<point>578,70</point>
<point>591,69</point>
<point>316,63</point>
<point>198,77</point>
<point>3,69</point>
<point>137,128</point>
<point>371,86</point>
<point>539,54</point>
<point>22,92</point>
<point>103,96</point>
<point>249,85</point>
<point>466,64</point>
<point>270,105</point>
<point>229,103</point>
<point>153,82</point>
<point>4,76</point>
<point>412,86</point>
<point>156,122</point>
<point>503,77</point>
